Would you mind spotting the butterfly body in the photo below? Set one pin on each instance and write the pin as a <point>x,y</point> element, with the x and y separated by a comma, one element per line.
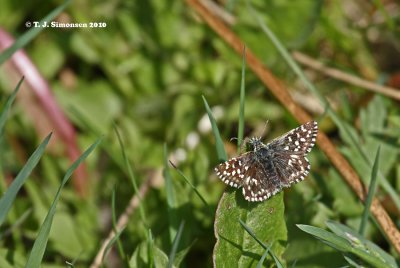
<point>266,169</point>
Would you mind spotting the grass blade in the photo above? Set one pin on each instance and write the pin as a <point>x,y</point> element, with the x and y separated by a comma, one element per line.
<point>175,245</point>
<point>218,141</point>
<point>267,248</point>
<point>32,33</point>
<point>349,242</point>
<point>326,237</point>
<point>17,224</point>
<point>242,97</point>
<point>261,261</point>
<point>191,185</point>
<point>150,248</point>
<point>131,175</point>
<point>171,198</point>
<point>39,247</point>
<point>7,107</point>
<point>277,261</point>
<point>361,246</point>
<point>8,198</point>
<point>252,234</point>
<point>371,192</point>
<point>111,243</point>
<point>116,231</point>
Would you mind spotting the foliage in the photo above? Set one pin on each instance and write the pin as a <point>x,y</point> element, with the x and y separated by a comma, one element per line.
<point>150,83</point>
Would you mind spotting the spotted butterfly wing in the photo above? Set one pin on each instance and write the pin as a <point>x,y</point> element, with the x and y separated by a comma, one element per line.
<point>266,169</point>
<point>290,152</point>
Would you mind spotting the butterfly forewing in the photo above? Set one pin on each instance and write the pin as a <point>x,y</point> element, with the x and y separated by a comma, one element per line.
<point>232,171</point>
<point>298,140</point>
<point>290,152</point>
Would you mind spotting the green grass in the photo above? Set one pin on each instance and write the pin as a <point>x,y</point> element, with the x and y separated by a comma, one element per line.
<point>371,192</point>
<point>164,90</point>
<point>242,97</point>
<point>9,196</point>
<point>39,246</point>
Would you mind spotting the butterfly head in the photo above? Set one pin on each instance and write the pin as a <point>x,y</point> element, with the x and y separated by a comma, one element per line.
<point>254,144</point>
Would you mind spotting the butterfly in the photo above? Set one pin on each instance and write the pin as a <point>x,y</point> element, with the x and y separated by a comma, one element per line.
<point>266,169</point>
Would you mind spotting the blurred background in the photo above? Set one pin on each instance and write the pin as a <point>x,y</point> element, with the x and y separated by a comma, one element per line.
<point>143,71</point>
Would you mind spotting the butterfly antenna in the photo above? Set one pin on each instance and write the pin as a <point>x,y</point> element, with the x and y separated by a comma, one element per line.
<point>265,128</point>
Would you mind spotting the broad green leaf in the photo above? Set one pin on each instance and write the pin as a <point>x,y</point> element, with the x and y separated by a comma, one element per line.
<point>237,248</point>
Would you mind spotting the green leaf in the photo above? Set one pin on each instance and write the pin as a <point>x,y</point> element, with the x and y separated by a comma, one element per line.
<point>326,237</point>
<point>349,243</point>
<point>237,248</point>
<point>358,241</point>
<point>8,198</point>
<point>140,257</point>
<point>39,247</point>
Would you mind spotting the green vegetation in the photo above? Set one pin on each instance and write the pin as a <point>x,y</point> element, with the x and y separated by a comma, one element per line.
<point>108,161</point>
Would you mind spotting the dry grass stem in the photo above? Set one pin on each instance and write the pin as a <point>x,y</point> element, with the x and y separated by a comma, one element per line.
<point>345,77</point>
<point>122,220</point>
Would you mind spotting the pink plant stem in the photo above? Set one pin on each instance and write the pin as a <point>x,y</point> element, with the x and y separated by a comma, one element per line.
<point>41,89</point>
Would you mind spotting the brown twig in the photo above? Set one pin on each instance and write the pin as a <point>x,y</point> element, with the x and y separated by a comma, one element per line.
<point>351,79</point>
<point>281,93</point>
<point>123,219</point>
